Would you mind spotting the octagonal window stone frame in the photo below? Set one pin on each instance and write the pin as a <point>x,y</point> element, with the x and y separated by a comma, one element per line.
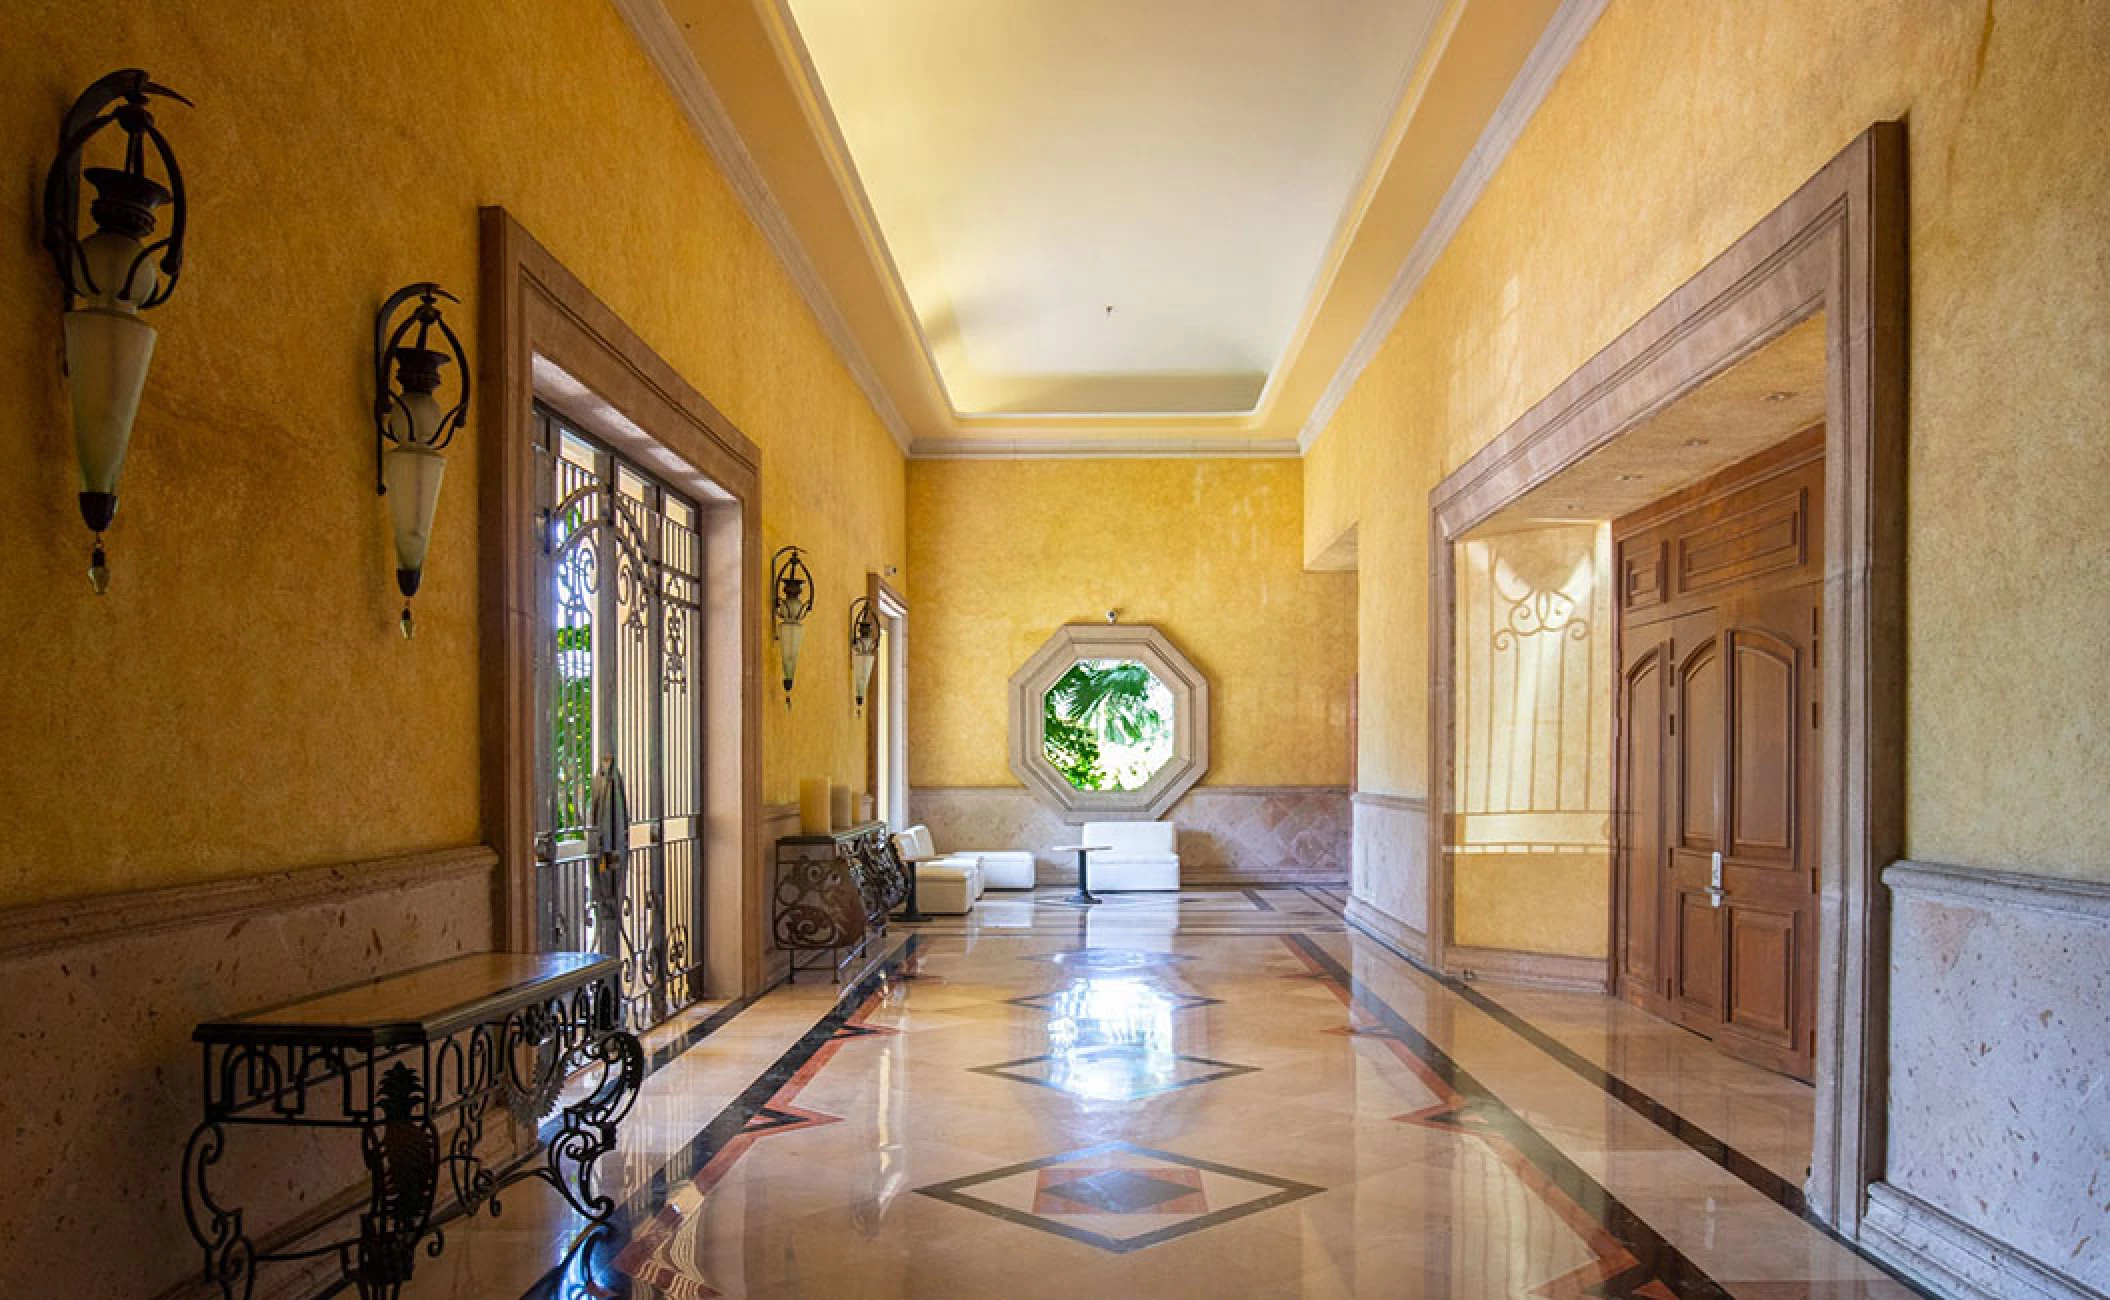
<point>1190,721</point>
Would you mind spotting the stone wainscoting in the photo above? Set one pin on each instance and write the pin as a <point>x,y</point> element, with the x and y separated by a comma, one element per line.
<point>103,1080</point>
<point>1389,893</point>
<point>1998,1174</point>
<point>1229,835</point>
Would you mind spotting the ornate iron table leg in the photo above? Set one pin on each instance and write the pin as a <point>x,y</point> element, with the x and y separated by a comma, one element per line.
<point>402,1149</point>
<point>587,1131</point>
<point>230,1257</point>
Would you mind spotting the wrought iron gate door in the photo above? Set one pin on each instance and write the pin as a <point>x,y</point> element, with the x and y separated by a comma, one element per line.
<point>619,680</point>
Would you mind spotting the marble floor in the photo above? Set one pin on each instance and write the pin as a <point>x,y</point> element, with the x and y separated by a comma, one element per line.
<point>1216,1094</point>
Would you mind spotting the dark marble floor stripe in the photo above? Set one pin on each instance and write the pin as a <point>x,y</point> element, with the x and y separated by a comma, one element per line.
<point>728,1124</point>
<point>699,1031</point>
<point>1657,1255</point>
<point>1747,1169</point>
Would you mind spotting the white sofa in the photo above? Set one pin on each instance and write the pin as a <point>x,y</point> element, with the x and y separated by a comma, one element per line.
<point>1006,869</point>
<point>946,884</point>
<point>1140,855</point>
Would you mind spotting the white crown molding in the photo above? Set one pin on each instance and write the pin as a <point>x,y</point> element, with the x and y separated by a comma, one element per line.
<point>669,51</point>
<point>1058,448</point>
<point>1556,45</point>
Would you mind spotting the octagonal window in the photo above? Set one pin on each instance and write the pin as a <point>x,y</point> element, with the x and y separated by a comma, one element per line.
<point>1108,724</point>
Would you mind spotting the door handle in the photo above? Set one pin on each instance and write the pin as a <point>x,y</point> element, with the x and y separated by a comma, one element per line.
<point>1715,892</point>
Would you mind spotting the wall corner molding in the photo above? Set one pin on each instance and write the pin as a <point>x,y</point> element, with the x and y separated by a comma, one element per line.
<point>1556,45</point>
<point>669,52</point>
<point>1941,882</point>
<point>1395,802</point>
<point>1952,1257</point>
<point>69,922</point>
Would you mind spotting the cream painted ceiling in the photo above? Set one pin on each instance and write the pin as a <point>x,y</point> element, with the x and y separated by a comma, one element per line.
<point>1110,206</point>
<point>1108,227</point>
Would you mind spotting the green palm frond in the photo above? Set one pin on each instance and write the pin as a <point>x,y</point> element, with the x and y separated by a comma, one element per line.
<point>1111,698</point>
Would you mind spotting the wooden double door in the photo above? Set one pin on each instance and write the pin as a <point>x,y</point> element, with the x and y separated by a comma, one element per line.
<point>1718,771</point>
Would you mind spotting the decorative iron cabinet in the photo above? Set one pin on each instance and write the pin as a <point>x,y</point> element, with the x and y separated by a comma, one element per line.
<point>833,893</point>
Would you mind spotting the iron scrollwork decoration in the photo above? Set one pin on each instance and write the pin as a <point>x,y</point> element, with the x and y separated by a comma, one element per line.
<point>791,588</point>
<point>401,1098</point>
<point>110,277</point>
<point>834,894</point>
<point>411,428</point>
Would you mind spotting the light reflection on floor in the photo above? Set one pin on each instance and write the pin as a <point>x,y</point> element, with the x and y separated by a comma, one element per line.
<point>1215,1094</point>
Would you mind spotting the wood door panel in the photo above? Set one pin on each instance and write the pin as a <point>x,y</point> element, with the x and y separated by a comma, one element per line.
<point>1763,973</point>
<point>1697,966</point>
<point>1765,695</point>
<point>1643,570</point>
<point>1643,693</point>
<point>1696,745</point>
<point>1723,587</point>
<point>1769,536</point>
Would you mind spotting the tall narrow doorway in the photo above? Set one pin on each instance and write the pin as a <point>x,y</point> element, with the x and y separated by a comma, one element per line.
<point>887,708</point>
<point>619,670</point>
<point>1720,607</point>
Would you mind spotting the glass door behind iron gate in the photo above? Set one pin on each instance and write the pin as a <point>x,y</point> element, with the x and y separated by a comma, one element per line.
<point>619,685</point>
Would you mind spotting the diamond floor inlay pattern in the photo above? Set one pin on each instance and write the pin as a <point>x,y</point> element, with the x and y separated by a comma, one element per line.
<point>1121,1072</point>
<point>1118,1196</point>
<point>1064,1000</point>
<point>1407,1136</point>
<point>1107,961</point>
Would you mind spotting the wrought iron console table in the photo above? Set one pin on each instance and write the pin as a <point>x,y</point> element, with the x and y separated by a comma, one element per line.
<point>834,892</point>
<point>398,1058</point>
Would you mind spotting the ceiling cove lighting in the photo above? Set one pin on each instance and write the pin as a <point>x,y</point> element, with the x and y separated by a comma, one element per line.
<point>111,276</point>
<point>864,649</point>
<point>411,428</point>
<point>791,586</point>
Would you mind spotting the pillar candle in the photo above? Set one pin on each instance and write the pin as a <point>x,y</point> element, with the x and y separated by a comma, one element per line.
<point>813,806</point>
<point>839,806</point>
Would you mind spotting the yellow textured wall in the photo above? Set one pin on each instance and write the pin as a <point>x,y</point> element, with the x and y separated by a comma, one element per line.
<point>241,700</point>
<point>1005,552</point>
<point>1674,129</point>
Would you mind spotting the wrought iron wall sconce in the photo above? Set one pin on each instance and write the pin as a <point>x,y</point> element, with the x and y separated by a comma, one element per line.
<point>110,278</point>
<point>864,649</point>
<point>791,584</point>
<point>411,428</point>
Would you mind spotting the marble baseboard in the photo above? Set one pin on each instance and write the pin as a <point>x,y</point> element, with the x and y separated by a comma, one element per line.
<point>1999,1047</point>
<point>1391,857</point>
<point>104,1078</point>
<point>1229,835</point>
<point>1388,930</point>
<point>1951,1258</point>
<point>1541,970</point>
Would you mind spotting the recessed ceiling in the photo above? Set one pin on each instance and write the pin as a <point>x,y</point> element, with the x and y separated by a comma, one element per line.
<point>1103,206</point>
<point>1176,227</point>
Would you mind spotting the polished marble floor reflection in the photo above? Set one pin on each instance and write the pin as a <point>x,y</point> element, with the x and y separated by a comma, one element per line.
<point>1215,1094</point>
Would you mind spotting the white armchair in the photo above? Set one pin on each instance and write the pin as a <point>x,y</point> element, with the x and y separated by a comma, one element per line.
<point>1140,855</point>
<point>945,884</point>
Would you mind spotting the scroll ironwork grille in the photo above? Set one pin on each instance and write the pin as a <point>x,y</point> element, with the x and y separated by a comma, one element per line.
<point>619,675</point>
